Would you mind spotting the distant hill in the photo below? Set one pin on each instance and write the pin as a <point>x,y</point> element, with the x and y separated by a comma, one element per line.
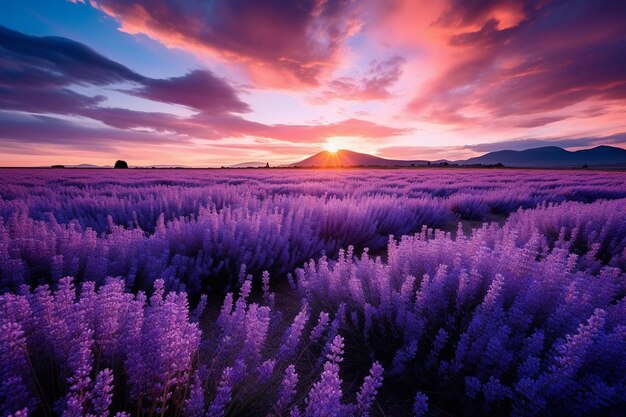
<point>249,165</point>
<point>347,158</point>
<point>87,166</point>
<point>111,166</point>
<point>554,157</point>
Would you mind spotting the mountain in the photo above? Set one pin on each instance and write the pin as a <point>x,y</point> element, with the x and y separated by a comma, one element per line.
<point>553,157</point>
<point>79,166</point>
<point>86,166</point>
<point>544,157</point>
<point>249,165</point>
<point>344,158</point>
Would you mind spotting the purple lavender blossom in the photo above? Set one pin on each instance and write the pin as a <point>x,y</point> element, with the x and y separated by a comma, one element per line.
<point>287,391</point>
<point>420,405</point>
<point>324,399</point>
<point>521,316</point>
<point>367,394</point>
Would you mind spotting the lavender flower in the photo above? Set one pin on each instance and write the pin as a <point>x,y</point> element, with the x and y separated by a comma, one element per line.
<point>324,399</point>
<point>367,394</point>
<point>293,334</point>
<point>102,393</point>
<point>319,328</point>
<point>287,391</point>
<point>194,405</point>
<point>420,405</point>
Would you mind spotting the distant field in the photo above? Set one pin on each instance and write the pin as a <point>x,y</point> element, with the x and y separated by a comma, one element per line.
<point>270,292</point>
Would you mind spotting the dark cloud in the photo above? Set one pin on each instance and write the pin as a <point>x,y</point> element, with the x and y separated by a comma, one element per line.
<point>550,56</point>
<point>49,61</point>
<point>36,73</point>
<point>198,89</point>
<point>488,35</point>
<point>295,38</point>
<point>463,13</point>
<point>133,119</point>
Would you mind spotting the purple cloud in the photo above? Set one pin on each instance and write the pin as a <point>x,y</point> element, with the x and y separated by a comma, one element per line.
<point>21,132</point>
<point>46,100</point>
<point>49,61</point>
<point>199,89</point>
<point>545,57</point>
<point>36,74</point>
<point>297,39</point>
<point>373,85</point>
<point>218,126</point>
<point>213,99</point>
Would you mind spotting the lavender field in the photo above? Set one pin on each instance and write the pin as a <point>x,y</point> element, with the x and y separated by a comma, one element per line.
<point>275,292</point>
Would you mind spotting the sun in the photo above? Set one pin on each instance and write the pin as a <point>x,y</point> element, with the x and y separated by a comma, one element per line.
<point>331,147</point>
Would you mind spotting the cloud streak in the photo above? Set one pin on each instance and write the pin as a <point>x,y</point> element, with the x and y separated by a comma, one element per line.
<point>567,143</point>
<point>373,85</point>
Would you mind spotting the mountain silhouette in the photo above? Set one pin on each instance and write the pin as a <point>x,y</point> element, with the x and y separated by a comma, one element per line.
<point>544,157</point>
<point>345,158</point>
<point>553,157</point>
<point>253,164</point>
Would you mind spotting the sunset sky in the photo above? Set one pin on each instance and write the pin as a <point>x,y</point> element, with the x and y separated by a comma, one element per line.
<point>217,82</point>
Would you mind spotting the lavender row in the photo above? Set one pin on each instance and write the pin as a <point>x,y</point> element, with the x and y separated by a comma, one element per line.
<point>100,352</point>
<point>205,252</point>
<point>198,235</point>
<point>137,198</point>
<point>470,325</point>
<point>483,325</point>
<point>522,316</point>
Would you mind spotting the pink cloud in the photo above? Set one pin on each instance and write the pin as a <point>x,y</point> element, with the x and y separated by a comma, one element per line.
<point>374,84</point>
<point>318,133</point>
<point>545,58</point>
<point>281,43</point>
<point>452,70</point>
<point>215,102</point>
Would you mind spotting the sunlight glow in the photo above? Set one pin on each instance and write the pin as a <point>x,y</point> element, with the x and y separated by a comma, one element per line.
<point>331,147</point>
